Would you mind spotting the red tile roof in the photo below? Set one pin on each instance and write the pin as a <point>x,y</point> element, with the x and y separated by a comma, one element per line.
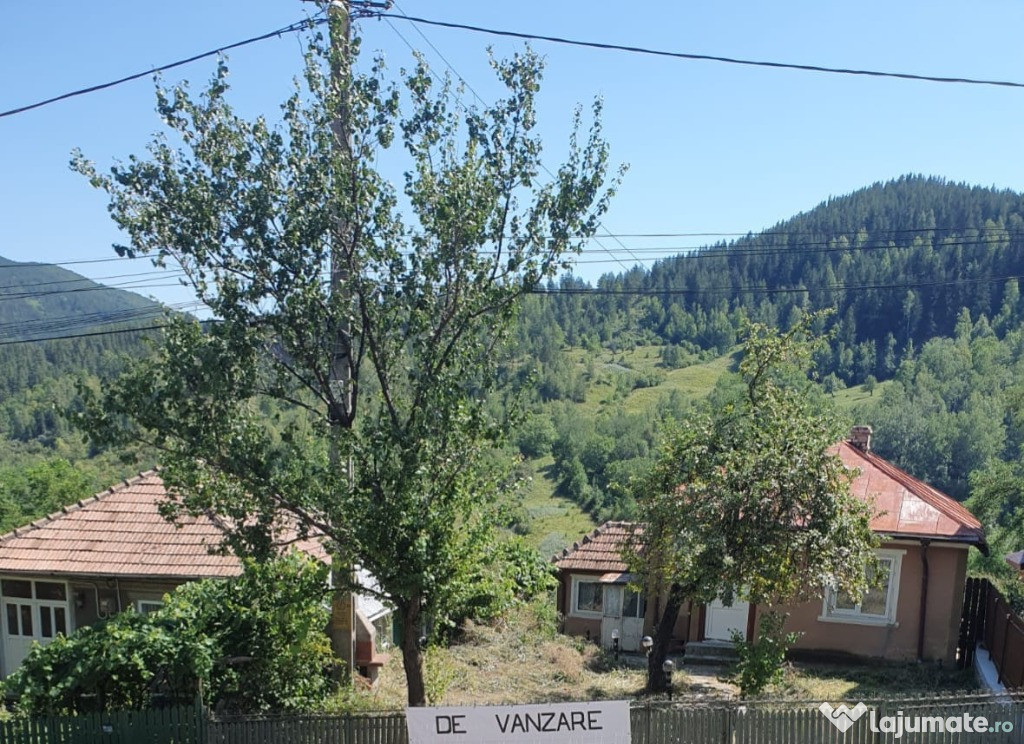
<point>904,507</point>
<point>601,550</point>
<point>119,533</point>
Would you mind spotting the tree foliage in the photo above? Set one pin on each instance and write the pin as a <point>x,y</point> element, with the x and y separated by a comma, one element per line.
<point>258,216</point>
<point>747,500</point>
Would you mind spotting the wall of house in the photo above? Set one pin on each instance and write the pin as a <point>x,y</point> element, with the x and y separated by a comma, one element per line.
<point>591,627</point>
<point>576,626</point>
<point>90,596</point>
<point>947,570</point>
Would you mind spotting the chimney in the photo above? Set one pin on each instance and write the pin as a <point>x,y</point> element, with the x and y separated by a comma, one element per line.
<point>860,437</point>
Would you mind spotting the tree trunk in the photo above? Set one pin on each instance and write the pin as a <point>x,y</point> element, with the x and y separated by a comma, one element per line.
<point>412,655</point>
<point>656,681</point>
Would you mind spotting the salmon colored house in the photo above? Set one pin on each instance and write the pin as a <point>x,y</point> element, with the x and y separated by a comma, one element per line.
<point>116,552</point>
<point>915,613</point>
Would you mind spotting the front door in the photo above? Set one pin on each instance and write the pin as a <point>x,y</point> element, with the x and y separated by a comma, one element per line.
<point>624,612</point>
<point>33,612</point>
<point>722,621</point>
<point>633,621</point>
<point>612,615</point>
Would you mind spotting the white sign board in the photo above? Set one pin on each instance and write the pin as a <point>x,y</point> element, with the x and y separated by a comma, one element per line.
<point>605,722</point>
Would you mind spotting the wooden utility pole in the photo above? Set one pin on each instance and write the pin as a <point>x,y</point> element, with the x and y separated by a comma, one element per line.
<point>342,412</point>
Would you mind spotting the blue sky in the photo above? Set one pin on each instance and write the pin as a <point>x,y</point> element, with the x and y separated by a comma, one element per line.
<point>711,147</point>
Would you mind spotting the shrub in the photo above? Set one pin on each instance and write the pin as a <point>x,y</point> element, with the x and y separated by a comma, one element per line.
<point>760,661</point>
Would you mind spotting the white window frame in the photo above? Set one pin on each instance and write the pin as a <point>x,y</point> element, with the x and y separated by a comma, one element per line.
<point>574,599</point>
<point>140,604</point>
<point>37,606</point>
<point>830,614</point>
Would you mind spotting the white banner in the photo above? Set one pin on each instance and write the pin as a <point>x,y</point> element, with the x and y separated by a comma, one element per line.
<point>604,722</point>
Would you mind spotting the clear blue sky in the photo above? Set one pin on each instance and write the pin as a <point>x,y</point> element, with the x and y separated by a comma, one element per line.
<point>711,147</point>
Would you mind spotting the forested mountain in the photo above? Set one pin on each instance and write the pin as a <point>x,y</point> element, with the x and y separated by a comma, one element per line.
<point>897,260</point>
<point>43,462</point>
<point>39,301</point>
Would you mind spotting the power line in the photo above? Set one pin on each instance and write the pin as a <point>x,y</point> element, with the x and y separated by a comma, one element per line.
<point>173,274</point>
<point>83,335</point>
<point>604,291</point>
<point>290,28</point>
<point>141,280</point>
<point>725,290</point>
<point>705,57</point>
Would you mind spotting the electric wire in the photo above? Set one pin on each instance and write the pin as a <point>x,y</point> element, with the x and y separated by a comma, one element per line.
<point>290,28</point>
<point>705,57</point>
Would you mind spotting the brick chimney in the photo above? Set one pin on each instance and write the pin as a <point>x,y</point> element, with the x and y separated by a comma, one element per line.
<point>860,437</point>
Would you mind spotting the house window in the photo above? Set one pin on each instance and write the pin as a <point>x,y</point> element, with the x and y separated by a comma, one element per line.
<point>145,606</point>
<point>587,596</point>
<point>382,632</point>
<point>35,610</point>
<point>635,606</point>
<point>877,605</point>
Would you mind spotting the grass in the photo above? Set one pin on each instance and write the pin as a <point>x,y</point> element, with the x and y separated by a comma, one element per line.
<point>878,679</point>
<point>693,382</point>
<point>555,523</point>
<point>518,660</point>
<point>848,398</point>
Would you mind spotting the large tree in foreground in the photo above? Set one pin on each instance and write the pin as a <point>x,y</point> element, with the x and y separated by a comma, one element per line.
<point>746,501</point>
<point>301,250</point>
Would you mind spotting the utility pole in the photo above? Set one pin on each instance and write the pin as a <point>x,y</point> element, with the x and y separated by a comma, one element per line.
<point>341,414</point>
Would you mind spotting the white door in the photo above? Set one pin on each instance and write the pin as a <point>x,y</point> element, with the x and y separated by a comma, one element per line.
<point>19,633</point>
<point>722,620</point>
<point>633,612</point>
<point>612,615</point>
<point>33,612</point>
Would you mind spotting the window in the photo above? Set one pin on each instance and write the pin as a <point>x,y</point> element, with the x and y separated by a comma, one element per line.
<point>587,597</point>
<point>145,606</point>
<point>636,605</point>
<point>877,605</point>
<point>36,610</point>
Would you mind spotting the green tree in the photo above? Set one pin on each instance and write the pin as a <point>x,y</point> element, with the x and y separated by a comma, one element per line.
<point>251,213</point>
<point>746,500</point>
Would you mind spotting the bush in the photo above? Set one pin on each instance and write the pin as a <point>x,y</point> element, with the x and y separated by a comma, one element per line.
<point>760,661</point>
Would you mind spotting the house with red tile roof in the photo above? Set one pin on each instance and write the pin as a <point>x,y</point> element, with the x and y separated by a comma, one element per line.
<point>115,552</point>
<point>914,613</point>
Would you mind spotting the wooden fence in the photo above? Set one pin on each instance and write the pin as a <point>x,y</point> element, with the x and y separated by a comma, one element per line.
<point>972,619</point>
<point>1004,639</point>
<point>683,722</point>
